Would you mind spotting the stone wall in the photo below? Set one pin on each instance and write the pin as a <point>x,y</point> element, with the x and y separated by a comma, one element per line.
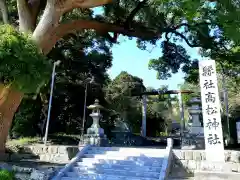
<point>195,160</point>
<point>54,154</point>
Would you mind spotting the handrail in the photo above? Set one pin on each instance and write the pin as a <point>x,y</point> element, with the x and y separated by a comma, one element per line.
<point>71,163</point>
<point>166,164</point>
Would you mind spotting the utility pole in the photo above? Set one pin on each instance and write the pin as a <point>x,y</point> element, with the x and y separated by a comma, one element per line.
<point>92,81</point>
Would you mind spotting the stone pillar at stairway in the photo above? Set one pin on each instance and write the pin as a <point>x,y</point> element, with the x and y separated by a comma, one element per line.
<point>95,134</point>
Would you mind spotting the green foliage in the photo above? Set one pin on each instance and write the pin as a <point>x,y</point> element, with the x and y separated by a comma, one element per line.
<point>27,118</point>
<point>6,175</point>
<point>119,94</point>
<point>21,63</point>
<point>173,57</point>
<point>162,134</point>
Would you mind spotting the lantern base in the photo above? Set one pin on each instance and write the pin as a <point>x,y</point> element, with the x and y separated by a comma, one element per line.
<point>196,130</point>
<point>95,131</point>
<point>193,143</point>
<point>94,139</point>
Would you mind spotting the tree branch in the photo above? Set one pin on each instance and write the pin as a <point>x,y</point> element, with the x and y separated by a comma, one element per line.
<point>184,38</point>
<point>112,39</point>
<point>53,11</point>
<point>68,5</point>
<point>72,27</point>
<point>35,7</point>
<point>4,11</point>
<point>133,13</point>
<point>128,21</point>
<point>175,28</point>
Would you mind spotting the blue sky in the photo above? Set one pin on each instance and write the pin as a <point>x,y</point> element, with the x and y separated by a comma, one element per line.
<point>127,57</point>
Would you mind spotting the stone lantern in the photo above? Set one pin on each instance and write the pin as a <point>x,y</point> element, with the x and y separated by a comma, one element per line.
<point>194,138</point>
<point>96,116</point>
<point>195,112</point>
<point>95,134</point>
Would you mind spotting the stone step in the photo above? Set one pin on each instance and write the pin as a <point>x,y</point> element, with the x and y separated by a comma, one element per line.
<point>129,153</point>
<point>85,177</point>
<point>112,176</point>
<point>126,149</point>
<point>123,156</point>
<point>121,162</point>
<point>123,172</point>
<point>105,169</point>
<point>118,166</point>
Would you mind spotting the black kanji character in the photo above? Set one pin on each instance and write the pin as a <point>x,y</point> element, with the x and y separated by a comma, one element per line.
<point>208,70</point>
<point>211,110</point>
<point>208,84</point>
<point>212,124</point>
<point>210,97</point>
<point>213,139</point>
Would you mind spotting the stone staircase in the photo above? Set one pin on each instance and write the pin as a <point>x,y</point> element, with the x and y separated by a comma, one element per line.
<point>118,163</point>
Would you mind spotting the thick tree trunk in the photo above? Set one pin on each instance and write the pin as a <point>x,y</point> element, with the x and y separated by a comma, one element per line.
<point>26,21</point>
<point>4,11</point>
<point>11,101</point>
<point>48,22</point>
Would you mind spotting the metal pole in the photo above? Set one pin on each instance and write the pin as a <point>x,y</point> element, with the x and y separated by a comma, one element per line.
<point>84,108</point>
<point>181,114</point>
<point>144,115</point>
<point>50,101</point>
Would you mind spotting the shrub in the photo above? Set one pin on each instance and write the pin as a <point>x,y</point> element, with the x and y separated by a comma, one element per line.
<point>6,175</point>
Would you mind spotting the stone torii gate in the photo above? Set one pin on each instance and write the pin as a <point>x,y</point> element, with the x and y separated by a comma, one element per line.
<point>157,92</point>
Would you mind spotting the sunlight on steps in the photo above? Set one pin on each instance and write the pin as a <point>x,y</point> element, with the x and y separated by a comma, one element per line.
<point>114,163</point>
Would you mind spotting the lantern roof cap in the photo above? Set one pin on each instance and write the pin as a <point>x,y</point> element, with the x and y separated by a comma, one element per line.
<point>96,105</point>
<point>195,100</point>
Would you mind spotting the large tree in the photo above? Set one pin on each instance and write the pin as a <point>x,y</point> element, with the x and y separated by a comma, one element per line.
<point>45,21</point>
<point>120,95</point>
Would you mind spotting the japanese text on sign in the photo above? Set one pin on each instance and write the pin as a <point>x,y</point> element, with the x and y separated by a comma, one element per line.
<point>211,111</point>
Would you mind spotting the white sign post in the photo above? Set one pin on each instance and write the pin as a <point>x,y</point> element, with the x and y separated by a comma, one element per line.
<point>213,135</point>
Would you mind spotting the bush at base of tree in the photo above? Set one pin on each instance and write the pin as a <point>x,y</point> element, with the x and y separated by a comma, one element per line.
<point>6,175</point>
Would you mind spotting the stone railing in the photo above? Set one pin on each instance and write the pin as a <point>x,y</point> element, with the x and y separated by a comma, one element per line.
<point>71,163</point>
<point>166,165</point>
<point>195,160</point>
